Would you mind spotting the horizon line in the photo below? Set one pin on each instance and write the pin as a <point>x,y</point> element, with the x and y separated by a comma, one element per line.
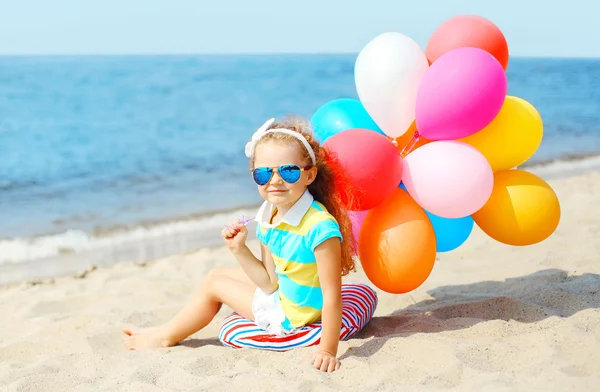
<point>258,53</point>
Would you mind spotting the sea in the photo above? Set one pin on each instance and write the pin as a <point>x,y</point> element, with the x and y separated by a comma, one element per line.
<point>105,159</point>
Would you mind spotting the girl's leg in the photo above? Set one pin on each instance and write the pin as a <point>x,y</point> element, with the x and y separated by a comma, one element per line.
<point>221,286</point>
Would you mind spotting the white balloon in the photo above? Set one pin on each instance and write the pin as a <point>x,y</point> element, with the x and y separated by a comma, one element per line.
<point>387,75</point>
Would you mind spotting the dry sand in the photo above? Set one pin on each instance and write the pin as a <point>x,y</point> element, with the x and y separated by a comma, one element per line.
<point>490,317</point>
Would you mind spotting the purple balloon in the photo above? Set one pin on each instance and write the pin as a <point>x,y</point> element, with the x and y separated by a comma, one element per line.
<point>460,94</point>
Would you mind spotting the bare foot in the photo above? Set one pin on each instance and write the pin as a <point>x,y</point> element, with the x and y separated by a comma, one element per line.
<point>154,338</point>
<point>138,331</point>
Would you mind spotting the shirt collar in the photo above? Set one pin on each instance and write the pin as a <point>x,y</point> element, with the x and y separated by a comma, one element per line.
<point>292,217</point>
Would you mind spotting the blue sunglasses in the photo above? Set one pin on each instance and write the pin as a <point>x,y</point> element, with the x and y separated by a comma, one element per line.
<point>288,173</point>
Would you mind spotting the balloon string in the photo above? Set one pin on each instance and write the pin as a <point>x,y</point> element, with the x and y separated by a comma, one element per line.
<point>411,143</point>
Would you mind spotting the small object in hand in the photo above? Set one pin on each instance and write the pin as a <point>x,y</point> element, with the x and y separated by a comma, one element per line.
<point>242,221</point>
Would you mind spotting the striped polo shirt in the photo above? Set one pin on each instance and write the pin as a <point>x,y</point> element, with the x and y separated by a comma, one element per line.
<point>292,243</point>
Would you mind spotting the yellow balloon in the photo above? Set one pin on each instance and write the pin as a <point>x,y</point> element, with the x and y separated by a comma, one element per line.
<point>512,137</point>
<point>522,210</point>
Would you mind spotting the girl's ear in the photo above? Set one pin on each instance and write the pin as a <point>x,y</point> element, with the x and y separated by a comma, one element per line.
<point>311,175</point>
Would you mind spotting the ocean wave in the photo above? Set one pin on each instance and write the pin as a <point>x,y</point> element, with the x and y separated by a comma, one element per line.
<point>179,236</point>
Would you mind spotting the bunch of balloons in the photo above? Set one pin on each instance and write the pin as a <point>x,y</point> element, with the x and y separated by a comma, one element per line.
<point>431,148</point>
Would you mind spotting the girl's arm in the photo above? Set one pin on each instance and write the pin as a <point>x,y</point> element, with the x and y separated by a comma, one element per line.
<point>262,273</point>
<point>329,265</point>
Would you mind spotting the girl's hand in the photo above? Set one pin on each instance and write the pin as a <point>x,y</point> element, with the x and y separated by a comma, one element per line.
<point>235,235</point>
<point>326,362</point>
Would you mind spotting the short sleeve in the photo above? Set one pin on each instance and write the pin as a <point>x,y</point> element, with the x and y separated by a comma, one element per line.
<point>323,231</point>
<point>261,234</point>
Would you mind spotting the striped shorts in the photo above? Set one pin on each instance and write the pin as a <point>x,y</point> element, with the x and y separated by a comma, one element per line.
<point>358,305</point>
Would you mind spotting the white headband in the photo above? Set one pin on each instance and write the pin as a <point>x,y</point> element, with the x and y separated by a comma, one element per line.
<point>262,131</point>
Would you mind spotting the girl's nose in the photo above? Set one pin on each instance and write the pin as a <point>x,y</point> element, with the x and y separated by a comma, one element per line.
<point>276,179</point>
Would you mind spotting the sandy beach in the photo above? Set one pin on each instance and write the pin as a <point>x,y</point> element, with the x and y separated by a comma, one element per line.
<point>490,317</point>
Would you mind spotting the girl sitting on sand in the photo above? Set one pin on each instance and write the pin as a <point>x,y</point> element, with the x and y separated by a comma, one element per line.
<point>301,223</point>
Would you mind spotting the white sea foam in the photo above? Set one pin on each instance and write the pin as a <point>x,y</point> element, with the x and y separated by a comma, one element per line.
<point>565,167</point>
<point>178,236</point>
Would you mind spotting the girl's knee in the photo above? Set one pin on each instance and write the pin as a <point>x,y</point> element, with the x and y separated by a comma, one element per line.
<point>212,279</point>
<point>214,274</point>
<point>219,280</point>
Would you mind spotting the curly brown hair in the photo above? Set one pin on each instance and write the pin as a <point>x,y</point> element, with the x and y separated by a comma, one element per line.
<point>328,184</point>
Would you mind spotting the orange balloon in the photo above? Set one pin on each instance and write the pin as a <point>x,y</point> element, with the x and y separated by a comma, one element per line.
<point>407,137</point>
<point>468,31</point>
<point>522,210</point>
<point>397,246</point>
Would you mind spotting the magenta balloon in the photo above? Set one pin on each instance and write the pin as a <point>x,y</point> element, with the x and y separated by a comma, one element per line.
<point>460,94</point>
<point>357,218</point>
<point>448,178</point>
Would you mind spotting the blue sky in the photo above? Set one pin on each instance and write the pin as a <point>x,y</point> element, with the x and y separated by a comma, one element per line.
<point>562,28</point>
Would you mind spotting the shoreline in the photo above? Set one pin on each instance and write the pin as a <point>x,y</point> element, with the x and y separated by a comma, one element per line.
<point>153,240</point>
<point>562,158</point>
<point>139,245</point>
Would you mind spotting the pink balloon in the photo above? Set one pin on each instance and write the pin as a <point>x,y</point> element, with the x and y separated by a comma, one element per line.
<point>460,94</point>
<point>448,178</point>
<point>357,218</point>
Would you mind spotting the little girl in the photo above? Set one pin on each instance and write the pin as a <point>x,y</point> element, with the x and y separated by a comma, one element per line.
<point>297,280</point>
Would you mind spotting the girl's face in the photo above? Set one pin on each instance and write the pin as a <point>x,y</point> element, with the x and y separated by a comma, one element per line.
<point>274,154</point>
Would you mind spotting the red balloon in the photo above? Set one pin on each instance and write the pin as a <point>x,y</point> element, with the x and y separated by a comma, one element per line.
<point>371,165</point>
<point>468,31</point>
